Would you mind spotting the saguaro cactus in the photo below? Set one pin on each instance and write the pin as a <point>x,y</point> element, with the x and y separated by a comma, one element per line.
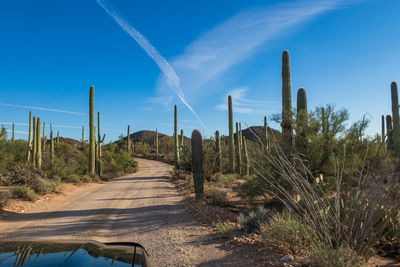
<point>99,142</point>
<point>383,128</point>
<point>128,140</point>
<point>51,145</point>
<point>266,137</point>
<point>389,132</point>
<point>287,121</point>
<point>39,145</point>
<point>28,157</point>
<point>176,141</point>
<point>34,149</point>
<point>13,132</point>
<point>58,138</point>
<point>301,119</point>
<point>83,136</point>
<point>92,136</point>
<point>231,140</point>
<point>238,151</point>
<point>240,134</point>
<point>157,142</point>
<point>197,164</point>
<point>396,119</point>
<point>246,157</point>
<point>218,151</point>
<point>182,139</point>
<point>44,137</point>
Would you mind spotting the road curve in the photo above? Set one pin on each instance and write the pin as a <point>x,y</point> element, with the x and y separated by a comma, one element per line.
<point>143,207</point>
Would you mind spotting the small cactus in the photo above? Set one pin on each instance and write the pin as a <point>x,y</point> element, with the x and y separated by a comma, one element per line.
<point>92,136</point>
<point>176,141</point>
<point>28,157</point>
<point>389,132</point>
<point>99,142</point>
<point>396,119</point>
<point>218,151</point>
<point>238,151</point>
<point>182,139</point>
<point>51,145</point>
<point>231,138</point>
<point>197,164</point>
<point>128,140</point>
<point>383,128</point>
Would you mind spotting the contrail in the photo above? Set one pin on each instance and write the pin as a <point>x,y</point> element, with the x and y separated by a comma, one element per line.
<point>162,63</point>
<point>42,108</point>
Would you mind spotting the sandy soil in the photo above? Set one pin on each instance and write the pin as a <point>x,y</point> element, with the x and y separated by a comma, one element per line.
<point>143,207</point>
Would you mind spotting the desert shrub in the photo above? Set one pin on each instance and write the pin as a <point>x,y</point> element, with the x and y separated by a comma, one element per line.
<point>118,163</point>
<point>224,228</point>
<point>178,174</point>
<point>342,256</point>
<point>73,178</point>
<point>23,175</point>
<point>44,186</point>
<point>4,196</point>
<point>254,186</point>
<point>252,221</point>
<point>223,180</point>
<point>288,233</point>
<point>11,154</point>
<point>217,196</point>
<point>24,192</point>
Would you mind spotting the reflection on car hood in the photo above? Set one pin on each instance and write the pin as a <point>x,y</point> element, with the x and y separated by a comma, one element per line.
<point>71,253</point>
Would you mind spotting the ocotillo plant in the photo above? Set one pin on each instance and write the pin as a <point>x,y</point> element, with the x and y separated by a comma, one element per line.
<point>128,140</point>
<point>28,157</point>
<point>44,137</point>
<point>34,146</point>
<point>39,145</point>
<point>157,142</point>
<point>13,132</point>
<point>238,151</point>
<point>92,136</point>
<point>383,128</point>
<point>51,145</point>
<point>287,121</point>
<point>197,164</point>
<point>218,151</point>
<point>99,142</point>
<point>396,119</point>
<point>389,132</point>
<point>266,137</point>
<point>301,118</point>
<point>246,157</point>
<point>231,140</point>
<point>176,141</point>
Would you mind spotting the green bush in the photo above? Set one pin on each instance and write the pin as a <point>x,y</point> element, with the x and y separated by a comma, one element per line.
<point>224,228</point>
<point>24,192</point>
<point>254,186</point>
<point>217,196</point>
<point>223,180</point>
<point>285,231</point>
<point>4,196</point>
<point>44,186</point>
<point>73,178</point>
<point>342,256</point>
<point>255,218</point>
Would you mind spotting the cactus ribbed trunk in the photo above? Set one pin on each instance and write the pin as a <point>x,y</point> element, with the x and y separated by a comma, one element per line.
<point>51,145</point>
<point>238,151</point>
<point>246,157</point>
<point>287,121</point>
<point>389,132</point>
<point>34,140</point>
<point>197,164</point>
<point>44,137</point>
<point>182,139</point>
<point>301,119</point>
<point>266,137</point>
<point>383,128</point>
<point>39,145</point>
<point>13,132</point>
<point>396,119</point>
<point>128,140</point>
<point>157,142</point>
<point>92,136</point>
<point>218,151</point>
<point>231,140</point>
<point>176,141</point>
<point>29,152</point>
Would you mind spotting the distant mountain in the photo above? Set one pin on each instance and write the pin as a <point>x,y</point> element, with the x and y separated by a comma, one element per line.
<point>148,136</point>
<point>253,132</point>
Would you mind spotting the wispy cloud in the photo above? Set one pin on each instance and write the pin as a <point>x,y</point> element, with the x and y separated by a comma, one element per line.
<point>172,78</point>
<point>242,104</point>
<point>42,108</point>
<point>238,38</point>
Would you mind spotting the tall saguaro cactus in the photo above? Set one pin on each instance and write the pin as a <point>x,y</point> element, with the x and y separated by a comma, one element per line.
<point>396,119</point>
<point>197,164</point>
<point>287,120</point>
<point>218,151</point>
<point>128,140</point>
<point>39,145</point>
<point>51,145</point>
<point>29,152</point>
<point>83,136</point>
<point>238,151</point>
<point>157,142</point>
<point>231,140</point>
<point>44,137</point>
<point>58,138</point>
<point>389,132</point>
<point>182,139</point>
<point>266,137</point>
<point>13,132</point>
<point>383,128</point>
<point>34,146</point>
<point>301,118</point>
<point>99,142</point>
<point>92,136</point>
<point>246,157</point>
<point>176,141</point>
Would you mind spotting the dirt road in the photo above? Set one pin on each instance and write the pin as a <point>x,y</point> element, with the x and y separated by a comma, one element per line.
<point>142,207</point>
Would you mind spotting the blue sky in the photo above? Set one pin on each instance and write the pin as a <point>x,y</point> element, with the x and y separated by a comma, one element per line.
<point>344,53</point>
